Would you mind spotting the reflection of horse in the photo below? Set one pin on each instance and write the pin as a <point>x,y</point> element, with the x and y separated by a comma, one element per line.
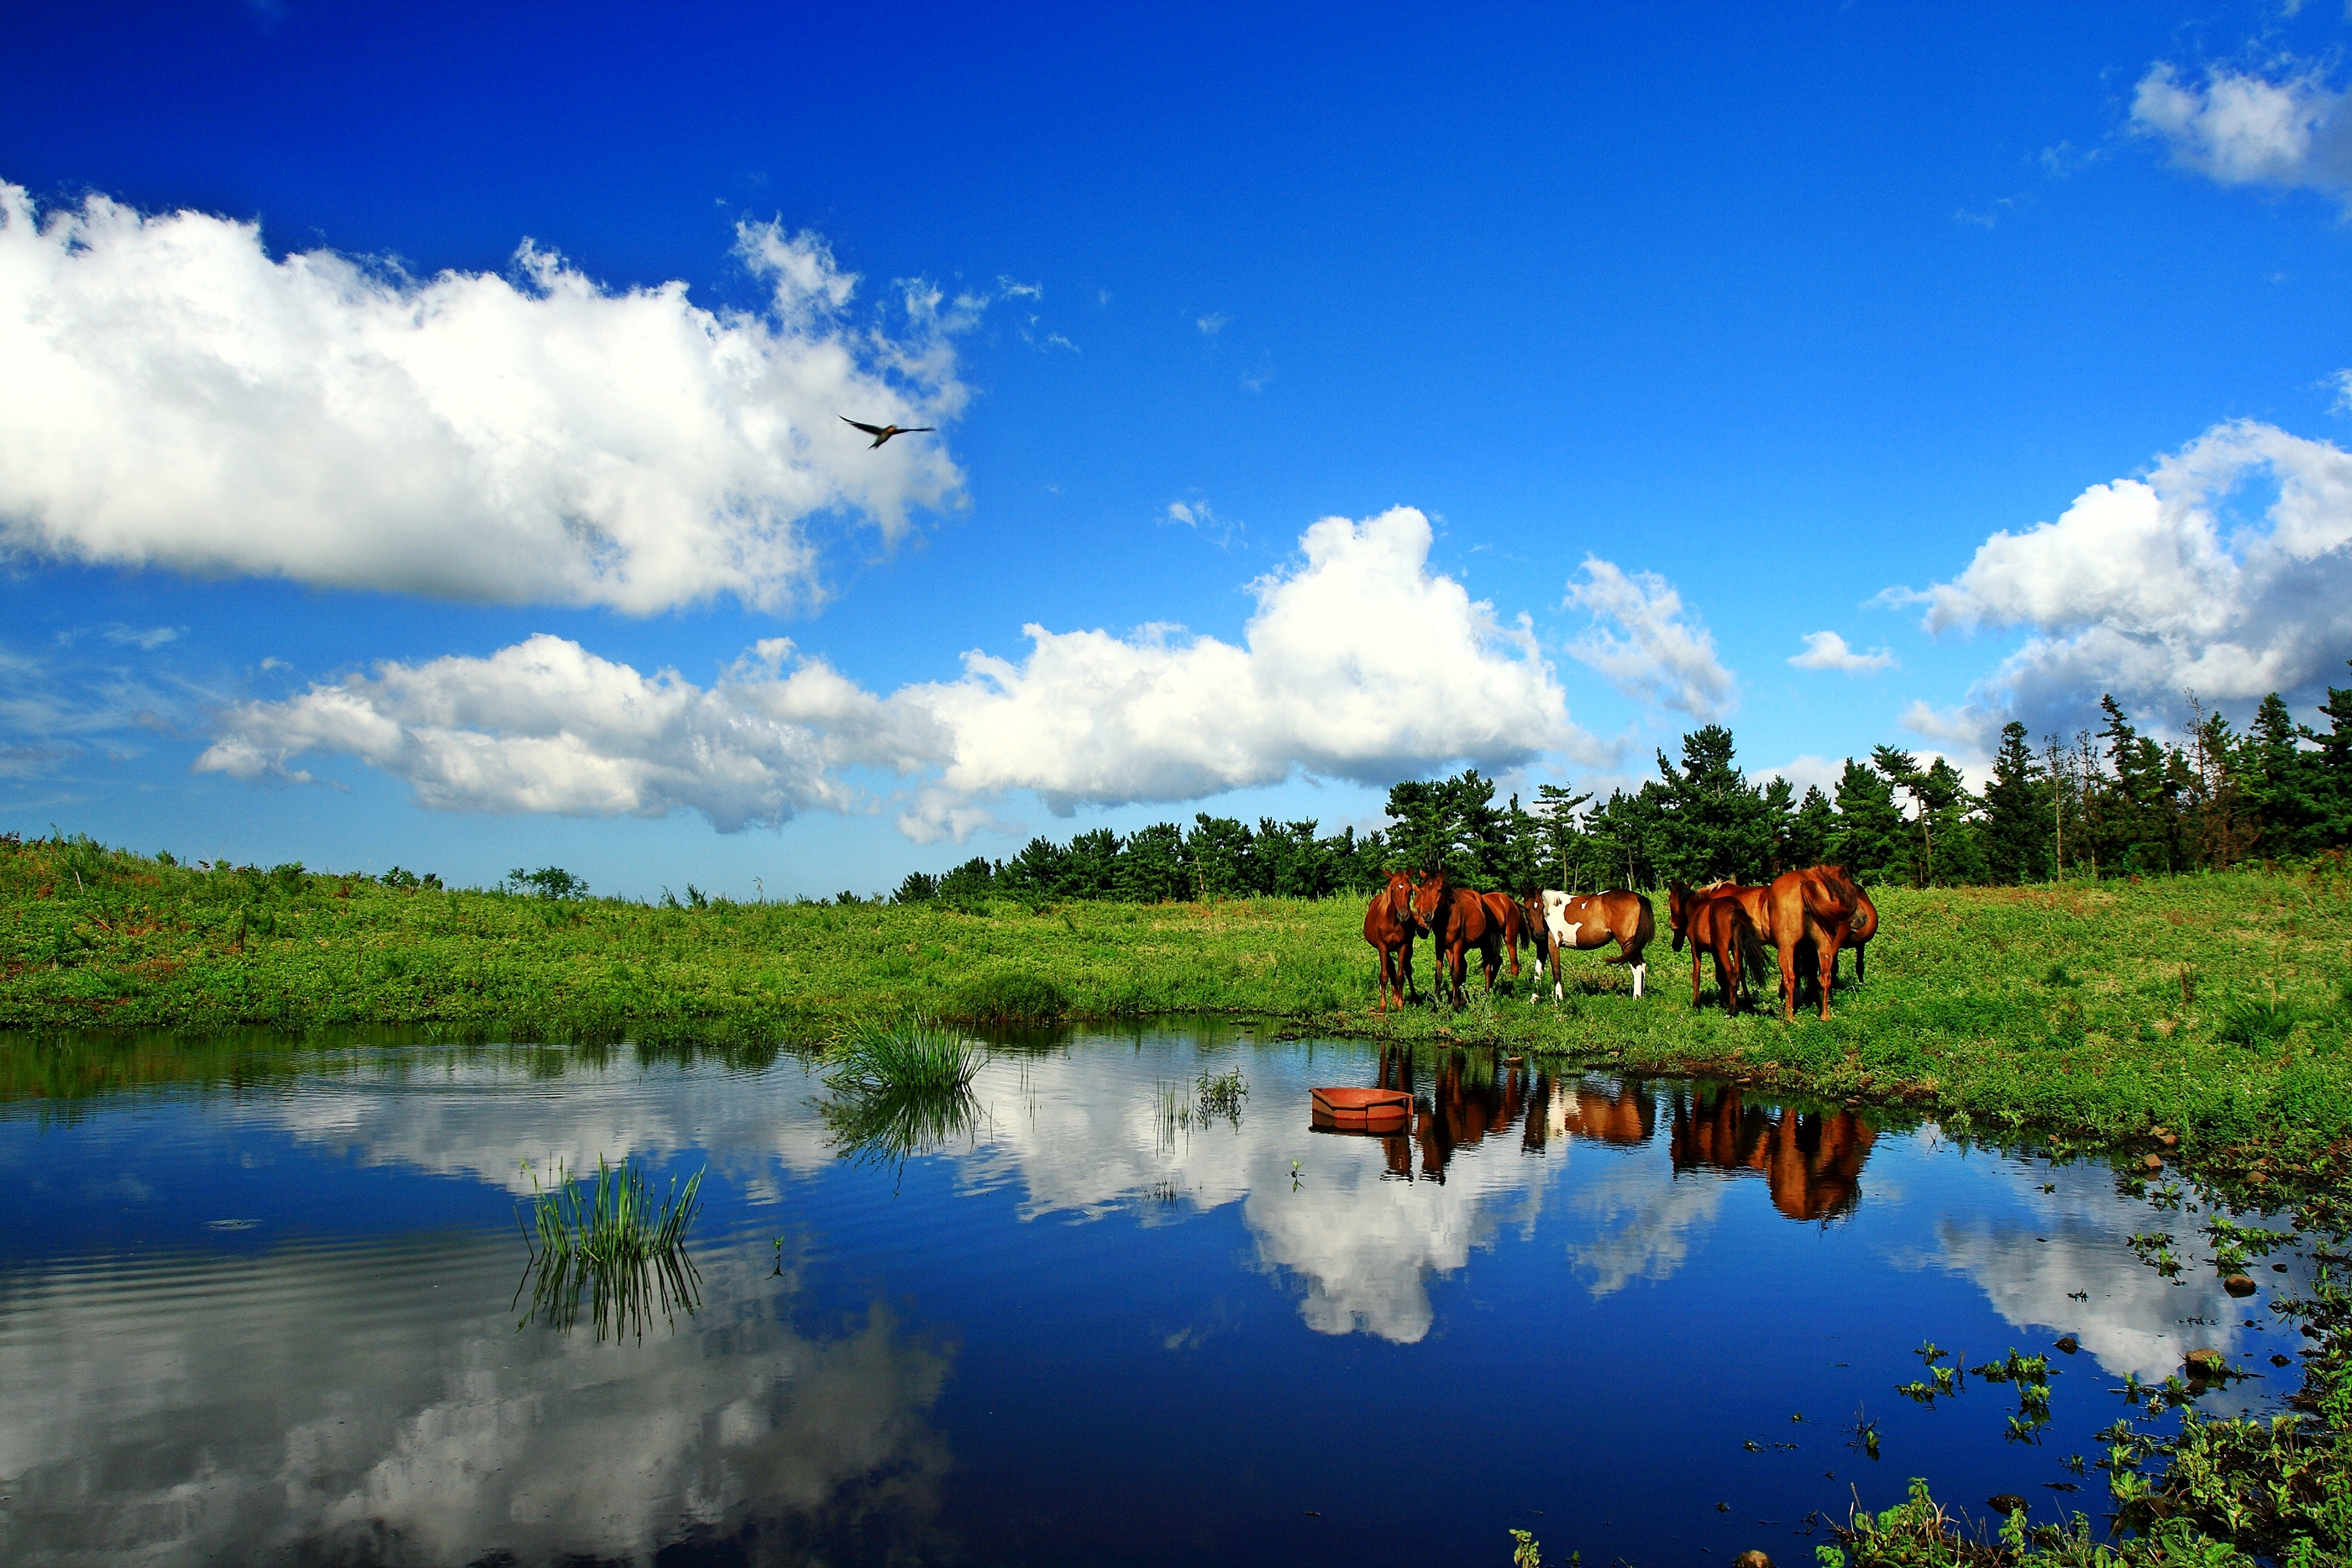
<point>1563,920</point>
<point>1456,920</point>
<point>1465,1107</point>
<point>1811,1161</point>
<point>1714,921</point>
<point>1387,926</point>
<point>1624,1117</point>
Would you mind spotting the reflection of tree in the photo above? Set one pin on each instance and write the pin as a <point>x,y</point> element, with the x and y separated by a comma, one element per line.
<point>1811,1159</point>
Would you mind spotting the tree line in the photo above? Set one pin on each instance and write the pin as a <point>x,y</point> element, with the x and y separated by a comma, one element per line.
<point>2108,802</point>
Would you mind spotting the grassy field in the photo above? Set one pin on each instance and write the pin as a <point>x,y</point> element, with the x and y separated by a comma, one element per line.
<point>2210,1012</point>
<point>2218,1005</point>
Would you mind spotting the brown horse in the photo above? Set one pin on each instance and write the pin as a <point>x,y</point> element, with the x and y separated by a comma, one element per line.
<point>1387,926</point>
<point>1564,921</point>
<point>1510,916</point>
<point>1714,920</point>
<point>1863,925</point>
<point>1799,911</point>
<point>1456,920</point>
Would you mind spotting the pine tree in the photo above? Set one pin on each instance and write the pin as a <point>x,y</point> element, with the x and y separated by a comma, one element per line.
<point>2335,768</point>
<point>2017,814</point>
<point>1713,824</point>
<point>1812,832</point>
<point>2282,781</point>
<point>1872,839</point>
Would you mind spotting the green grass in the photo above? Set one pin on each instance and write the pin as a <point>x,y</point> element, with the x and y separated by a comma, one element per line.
<point>2215,1004</point>
<point>607,1238</point>
<point>909,1055</point>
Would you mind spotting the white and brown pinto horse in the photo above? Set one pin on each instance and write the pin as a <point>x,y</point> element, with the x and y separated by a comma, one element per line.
<point>1567,922</point>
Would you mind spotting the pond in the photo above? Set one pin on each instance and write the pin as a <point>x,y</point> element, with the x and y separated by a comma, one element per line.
<point>279,1311</point>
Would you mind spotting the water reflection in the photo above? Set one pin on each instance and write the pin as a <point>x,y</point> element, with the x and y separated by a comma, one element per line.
<point>1167,1346</point>
<point>377,1404</point>
<point>1811,1159</point>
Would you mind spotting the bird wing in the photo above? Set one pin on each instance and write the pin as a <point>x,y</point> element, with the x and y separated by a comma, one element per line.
<point>913,429</point>
<point>868,429</point>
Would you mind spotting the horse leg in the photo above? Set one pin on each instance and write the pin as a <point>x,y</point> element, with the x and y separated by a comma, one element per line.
<point>1787,947</point>
<point>1827,946</point>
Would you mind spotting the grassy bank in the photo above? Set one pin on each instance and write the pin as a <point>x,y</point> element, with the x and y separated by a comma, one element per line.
<point>2215,1004</point>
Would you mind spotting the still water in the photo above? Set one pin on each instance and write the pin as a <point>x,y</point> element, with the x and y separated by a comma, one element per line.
<point>274,1317</point>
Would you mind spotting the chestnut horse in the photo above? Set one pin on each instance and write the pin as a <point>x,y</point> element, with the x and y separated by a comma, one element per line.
<point>1511,917</point>
<point>1865,924</point>
<point>1569,921</point>
<point>1387,926</point>
<point>1456,920</point>
<point>1714,920</point>
<point>1799,908</point>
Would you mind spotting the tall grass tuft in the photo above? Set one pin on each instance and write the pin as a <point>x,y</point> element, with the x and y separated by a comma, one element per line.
<point>901,1087</point>
<point>875,1056</point>
<point>608,1238</point>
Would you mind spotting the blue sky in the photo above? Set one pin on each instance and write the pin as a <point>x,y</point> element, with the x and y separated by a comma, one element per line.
<point>337,527</point>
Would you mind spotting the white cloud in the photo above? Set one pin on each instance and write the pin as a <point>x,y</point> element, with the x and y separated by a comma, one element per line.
<point>1656,652</point>
<point>545,726</point>
<point>1211,324</point>
<point>2242,127</point>
<point>2145,588</point>
<point>1827,651</point>
<point>1810,771</point>
<point>176,397</point>
<point>1203,519</point>
<point>1359,662</point>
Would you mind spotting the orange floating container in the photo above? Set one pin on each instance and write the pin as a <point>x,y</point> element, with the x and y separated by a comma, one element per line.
<point>1361,1110</point>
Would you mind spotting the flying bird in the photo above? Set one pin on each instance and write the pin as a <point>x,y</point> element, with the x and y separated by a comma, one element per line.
<point>882,433</point>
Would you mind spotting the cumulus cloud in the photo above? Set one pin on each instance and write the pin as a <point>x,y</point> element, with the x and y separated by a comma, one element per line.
<point>1359,662</point>
<point>2146,588</point>
<point>2245,128</point>
<point>176,397</point>
<point>1827,651</point>
<point>1642,640</point>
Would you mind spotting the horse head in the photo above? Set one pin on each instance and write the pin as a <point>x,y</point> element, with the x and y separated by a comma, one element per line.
<point>1398,896</point>
<point>1679,902</point>
<point>1429,897</point>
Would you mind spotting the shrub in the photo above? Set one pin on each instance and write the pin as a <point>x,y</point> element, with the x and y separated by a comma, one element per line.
<point>1010,994</point>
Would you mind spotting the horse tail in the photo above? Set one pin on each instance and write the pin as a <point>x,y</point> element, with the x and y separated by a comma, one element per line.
<point>1645,926</point>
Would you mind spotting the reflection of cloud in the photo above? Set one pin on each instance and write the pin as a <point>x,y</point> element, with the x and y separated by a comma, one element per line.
<point>1644,1223</point>
<point>1362,1248</point>
<point>380,1404</point>
<point>2131,1319</point>
<point>482,1120</point>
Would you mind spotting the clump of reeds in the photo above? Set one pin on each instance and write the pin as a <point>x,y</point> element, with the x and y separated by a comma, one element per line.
<point>901,1087</point>
<point>609,1239</point>
<point>1221,1094</point>
<point>876,1056</point>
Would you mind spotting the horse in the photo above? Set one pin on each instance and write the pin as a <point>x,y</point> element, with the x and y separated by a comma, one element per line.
<point>1566,920</point>
<point>1863,925</point>
<point>1797,909</point>
<point>1511,916</point>
<point>1456,920</point>
<point>1387,926</point>
<point>1714,920</point>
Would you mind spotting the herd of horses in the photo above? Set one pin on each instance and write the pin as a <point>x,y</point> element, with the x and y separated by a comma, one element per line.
<point>1807,917</point>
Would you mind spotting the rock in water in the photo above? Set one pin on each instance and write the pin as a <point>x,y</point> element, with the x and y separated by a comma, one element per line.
<point>2006,1503</point>
<point>1751,1558</point>
<point>2207,1363</point>
<point>2152,1161</point>
<point>2239,1285</point>
<point>2069,1343</point>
